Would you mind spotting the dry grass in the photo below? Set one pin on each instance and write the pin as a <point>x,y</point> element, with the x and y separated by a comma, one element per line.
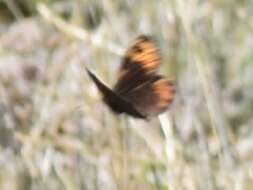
<point>55,133</point>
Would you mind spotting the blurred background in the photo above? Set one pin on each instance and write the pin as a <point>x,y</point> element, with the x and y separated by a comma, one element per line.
<point>56,133</point>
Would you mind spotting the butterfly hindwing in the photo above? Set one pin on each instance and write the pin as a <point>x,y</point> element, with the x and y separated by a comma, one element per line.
<point>153,96</point>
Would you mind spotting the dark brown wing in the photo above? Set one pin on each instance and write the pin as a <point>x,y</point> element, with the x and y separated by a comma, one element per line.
<point>114,101</point>
<point>153,96</point>
<point>141,60</point>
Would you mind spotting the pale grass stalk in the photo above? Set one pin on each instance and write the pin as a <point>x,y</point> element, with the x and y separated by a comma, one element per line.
<point>146,138</point>
<point>96,39</point>
<point>125,152</point>
<point>170,150</point>
<point>63,176</point>
<point>47,161</point>
<point>197,51</point>
<point>115,150</point>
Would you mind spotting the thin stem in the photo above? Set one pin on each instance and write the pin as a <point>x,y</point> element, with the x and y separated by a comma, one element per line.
<point>166,126</point>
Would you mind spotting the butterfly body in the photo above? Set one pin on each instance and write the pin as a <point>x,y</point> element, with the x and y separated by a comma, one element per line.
<point>139,91</point>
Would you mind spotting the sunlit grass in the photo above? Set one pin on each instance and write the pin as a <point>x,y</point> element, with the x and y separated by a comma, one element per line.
<point>56,133</point>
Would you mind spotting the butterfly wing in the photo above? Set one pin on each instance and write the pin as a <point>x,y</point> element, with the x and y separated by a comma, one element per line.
<point>114,101</point>
<point>153,96</point>
<point>138,82</point>
<point>139,92</point>
<point>141,60</point>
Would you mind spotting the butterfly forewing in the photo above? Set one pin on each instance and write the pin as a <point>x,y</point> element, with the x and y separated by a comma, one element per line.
<point>142,53</point>
<point>141,60</point>
<point>115,102</point>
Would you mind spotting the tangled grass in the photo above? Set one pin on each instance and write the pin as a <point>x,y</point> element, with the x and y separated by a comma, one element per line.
<point>57,134</point>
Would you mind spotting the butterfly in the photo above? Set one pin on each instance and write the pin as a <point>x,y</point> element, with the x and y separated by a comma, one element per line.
<point>139,92</point>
